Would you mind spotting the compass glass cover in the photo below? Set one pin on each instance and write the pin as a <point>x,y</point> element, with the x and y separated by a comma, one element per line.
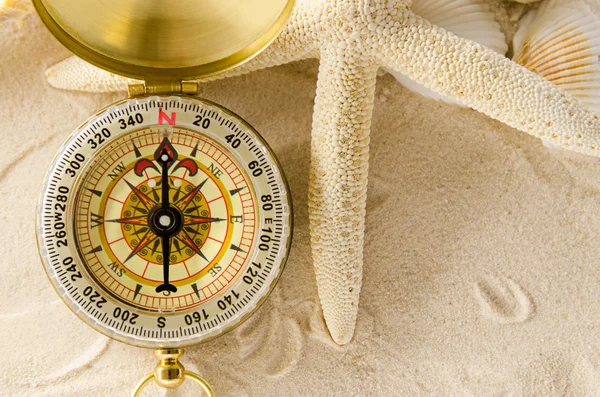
<point>164,221</point>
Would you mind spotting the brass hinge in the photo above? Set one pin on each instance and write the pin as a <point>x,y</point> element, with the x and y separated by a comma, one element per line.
<point>162,87</point>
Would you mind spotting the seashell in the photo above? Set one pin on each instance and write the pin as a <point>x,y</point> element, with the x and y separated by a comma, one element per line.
<point>14,10</point>
<point>470,19</point>
<point>561,42</point>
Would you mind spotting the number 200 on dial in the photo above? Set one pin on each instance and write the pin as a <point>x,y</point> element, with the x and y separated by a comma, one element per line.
<point>164,221</point>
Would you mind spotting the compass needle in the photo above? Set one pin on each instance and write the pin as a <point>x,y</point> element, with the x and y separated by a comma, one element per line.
<point>166,221</point>
<point>165,286</point>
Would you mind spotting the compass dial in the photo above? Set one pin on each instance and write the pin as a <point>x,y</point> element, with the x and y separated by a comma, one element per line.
<point>164,221</point>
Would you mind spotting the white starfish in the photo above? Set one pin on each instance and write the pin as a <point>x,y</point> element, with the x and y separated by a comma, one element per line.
<point>352,39</point>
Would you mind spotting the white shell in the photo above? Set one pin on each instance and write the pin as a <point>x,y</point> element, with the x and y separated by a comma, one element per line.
<point>469,19</point>
<point>561,42</point>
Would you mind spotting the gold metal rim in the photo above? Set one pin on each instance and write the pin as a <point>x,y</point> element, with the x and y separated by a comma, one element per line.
<point>187,375</point>
<point>159,74</point>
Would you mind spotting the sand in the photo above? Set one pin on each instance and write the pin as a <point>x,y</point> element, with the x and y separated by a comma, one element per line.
<point>481,273</point>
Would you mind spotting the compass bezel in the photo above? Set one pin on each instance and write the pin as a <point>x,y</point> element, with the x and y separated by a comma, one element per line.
<point>222,327</point>
<point>179,41</point>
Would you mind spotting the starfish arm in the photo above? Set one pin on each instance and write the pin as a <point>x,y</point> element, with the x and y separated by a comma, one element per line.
<point>338,182</point>
<point>488,82</point>
<point>76,74</point>
<point>294,43</point>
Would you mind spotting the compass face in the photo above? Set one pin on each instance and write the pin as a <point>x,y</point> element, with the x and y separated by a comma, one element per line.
<point>164,221</point>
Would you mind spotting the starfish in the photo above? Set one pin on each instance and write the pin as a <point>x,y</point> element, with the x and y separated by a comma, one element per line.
<point>352,39</point>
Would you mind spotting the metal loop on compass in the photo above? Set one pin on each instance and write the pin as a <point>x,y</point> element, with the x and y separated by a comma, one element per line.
<point>187,375</point>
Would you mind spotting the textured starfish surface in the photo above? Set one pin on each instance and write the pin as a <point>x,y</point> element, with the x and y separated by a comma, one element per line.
<point>352,39</point>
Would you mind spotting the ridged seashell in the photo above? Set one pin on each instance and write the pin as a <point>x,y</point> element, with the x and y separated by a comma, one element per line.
<point>14,10</point>
<point>469,19</point>
<point>561,41</point>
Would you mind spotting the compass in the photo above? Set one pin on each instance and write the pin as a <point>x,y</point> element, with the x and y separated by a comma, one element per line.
<point>164,220</point>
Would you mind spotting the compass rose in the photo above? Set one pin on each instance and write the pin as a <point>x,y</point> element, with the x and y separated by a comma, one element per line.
<point>165,221</point>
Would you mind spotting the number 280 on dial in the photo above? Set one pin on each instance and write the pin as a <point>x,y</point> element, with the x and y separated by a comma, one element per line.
<point>164,221</point>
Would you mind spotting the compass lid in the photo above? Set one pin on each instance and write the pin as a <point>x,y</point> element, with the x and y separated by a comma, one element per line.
<point>165,40</point>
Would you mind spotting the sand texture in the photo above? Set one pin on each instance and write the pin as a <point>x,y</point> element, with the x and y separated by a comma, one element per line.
<point>482,254</point>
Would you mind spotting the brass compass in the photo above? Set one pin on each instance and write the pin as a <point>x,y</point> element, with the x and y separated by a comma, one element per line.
<point>164,220</point>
